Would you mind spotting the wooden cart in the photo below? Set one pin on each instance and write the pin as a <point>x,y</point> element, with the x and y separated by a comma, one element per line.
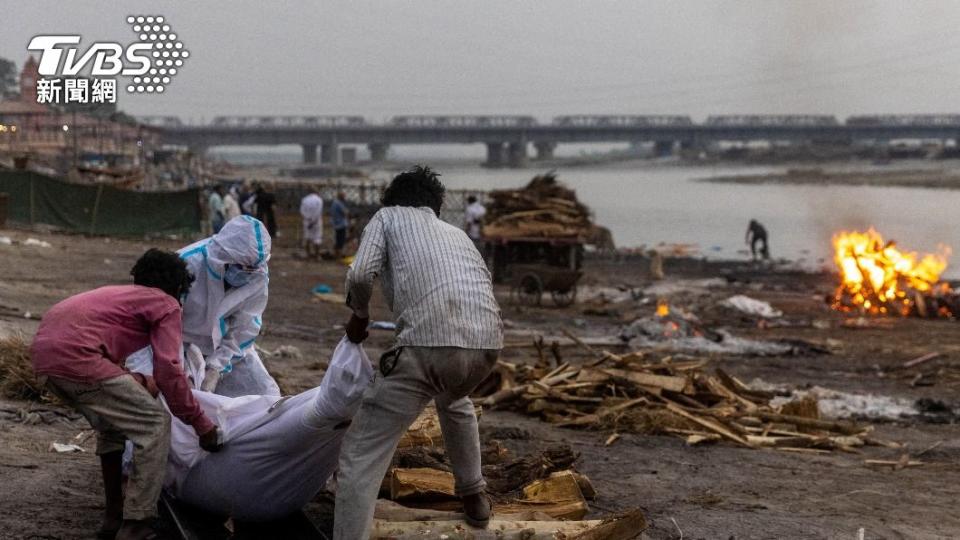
<point>534,266</point>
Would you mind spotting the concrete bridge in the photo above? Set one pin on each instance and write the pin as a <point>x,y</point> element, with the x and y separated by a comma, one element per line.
<point>508,138</point>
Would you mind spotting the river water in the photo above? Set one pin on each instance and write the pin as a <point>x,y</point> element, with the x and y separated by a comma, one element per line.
<point>648,203</point>
<point>664,203</point>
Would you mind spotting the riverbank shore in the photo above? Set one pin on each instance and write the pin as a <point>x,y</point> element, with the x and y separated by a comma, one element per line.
<point>943,178</point>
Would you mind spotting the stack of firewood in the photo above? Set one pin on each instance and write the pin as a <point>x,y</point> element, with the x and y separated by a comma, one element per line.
<point>629,393</point>
<point>544,208</point>
<point>538,496</point>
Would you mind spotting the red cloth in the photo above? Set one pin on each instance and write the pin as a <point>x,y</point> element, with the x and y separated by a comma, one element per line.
<point>87,338</point>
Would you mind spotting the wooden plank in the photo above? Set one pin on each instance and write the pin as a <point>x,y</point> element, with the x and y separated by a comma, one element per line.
<point>920,360</point>
<point>497,529</point>
<point>666,382</point>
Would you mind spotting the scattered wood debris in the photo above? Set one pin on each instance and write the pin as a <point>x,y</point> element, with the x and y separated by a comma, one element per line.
<point>629,393</point>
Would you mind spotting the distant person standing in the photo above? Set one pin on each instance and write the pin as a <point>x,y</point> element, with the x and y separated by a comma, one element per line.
<point>216,209</point>
<point>311,210</point>
<point>473,219</point>
<point>340,219</point>
<point>231,208</point>
<point>757,234</point>
<point>265,202</point>
<point>247,199</point>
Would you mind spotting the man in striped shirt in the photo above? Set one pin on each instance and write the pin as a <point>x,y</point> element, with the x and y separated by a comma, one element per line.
<point>449,335</point>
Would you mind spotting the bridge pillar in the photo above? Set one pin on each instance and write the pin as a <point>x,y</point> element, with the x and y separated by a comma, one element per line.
<point>309,153</point>
<point>663,148</point>
<point>330,153</point>
<point>545,149</point>
<point>378,152</point>
<point>517,154</point>
<point>495,154</point>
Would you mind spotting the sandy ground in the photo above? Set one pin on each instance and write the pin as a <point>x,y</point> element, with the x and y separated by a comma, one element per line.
<point>708,492</point>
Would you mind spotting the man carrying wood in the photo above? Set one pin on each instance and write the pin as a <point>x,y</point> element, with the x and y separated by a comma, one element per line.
<point>449,334</point>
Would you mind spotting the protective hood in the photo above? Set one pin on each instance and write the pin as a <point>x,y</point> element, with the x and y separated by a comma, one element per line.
<point>242,240</point>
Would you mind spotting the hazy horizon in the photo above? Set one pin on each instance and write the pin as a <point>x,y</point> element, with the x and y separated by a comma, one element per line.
<point>541,58</point>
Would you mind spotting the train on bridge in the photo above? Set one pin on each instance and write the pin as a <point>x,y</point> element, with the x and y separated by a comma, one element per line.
<point>575,121</point>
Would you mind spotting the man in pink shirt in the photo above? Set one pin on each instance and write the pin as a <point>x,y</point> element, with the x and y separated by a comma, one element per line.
<point>80,349</point>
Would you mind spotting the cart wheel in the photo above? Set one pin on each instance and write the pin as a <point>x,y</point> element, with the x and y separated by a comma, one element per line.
<point>564,298</point>
<point>528,290</point>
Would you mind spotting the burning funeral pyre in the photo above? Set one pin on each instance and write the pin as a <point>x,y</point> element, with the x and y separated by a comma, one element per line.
<point>877,278</point>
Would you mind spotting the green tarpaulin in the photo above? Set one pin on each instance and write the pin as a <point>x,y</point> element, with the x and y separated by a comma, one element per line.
<point>98,209</point>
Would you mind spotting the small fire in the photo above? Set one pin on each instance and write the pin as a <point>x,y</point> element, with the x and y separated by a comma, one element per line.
<point>877,278</point>
<point>663,309</point>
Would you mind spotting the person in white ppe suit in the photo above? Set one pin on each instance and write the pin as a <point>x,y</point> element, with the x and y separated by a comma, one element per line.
<point>311,210</point>
<point>222,312</point>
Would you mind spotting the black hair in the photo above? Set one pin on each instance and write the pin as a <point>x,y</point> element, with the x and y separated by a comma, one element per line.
<point>162,270</point>
<point>471,199</point>
<point>417,187</point>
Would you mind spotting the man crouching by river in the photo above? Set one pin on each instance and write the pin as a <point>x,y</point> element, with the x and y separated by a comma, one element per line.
<point>449,335</point>
<point>80,349</point>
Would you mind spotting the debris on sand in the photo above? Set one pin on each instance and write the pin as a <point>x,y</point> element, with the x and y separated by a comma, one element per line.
<point>752,306</point>
<point>665,330</point>
<point>846,405</point>
<point>629,393</point>
<point>37,243</point>
<point>17,380</point>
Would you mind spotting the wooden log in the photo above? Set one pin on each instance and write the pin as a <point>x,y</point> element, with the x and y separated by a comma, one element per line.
<point>806,407</point>
<point>425,431</point>
<point>421,484</point>
<point>623,527</point>
<point>573,510</point>
<point>512,475</point>
<point>559,486</point>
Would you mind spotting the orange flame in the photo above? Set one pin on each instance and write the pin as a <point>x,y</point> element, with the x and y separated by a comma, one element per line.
<point>663,309</point>
<point>878,278</point>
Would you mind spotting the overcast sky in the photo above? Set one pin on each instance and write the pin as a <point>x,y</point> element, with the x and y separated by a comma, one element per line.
<point>544,58</point>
